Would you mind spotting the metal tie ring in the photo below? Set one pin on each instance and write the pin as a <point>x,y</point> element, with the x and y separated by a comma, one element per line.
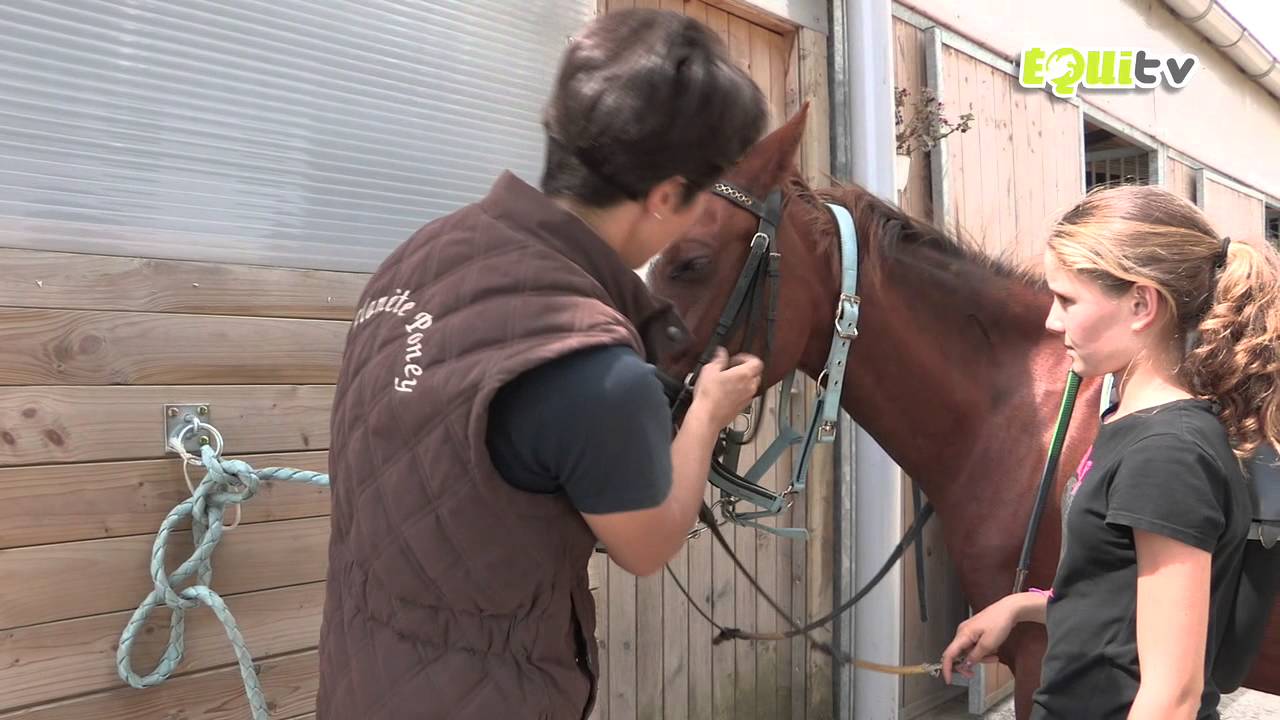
<point>175,441</point>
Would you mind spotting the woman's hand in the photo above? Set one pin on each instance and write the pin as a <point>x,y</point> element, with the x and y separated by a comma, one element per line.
<point>978,638</point>
<point>725,386</point>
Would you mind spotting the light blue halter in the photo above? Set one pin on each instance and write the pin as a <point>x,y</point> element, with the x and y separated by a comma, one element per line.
<point>822,426</point>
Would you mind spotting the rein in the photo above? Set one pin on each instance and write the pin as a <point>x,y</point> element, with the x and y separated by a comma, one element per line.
<point>797,630</point>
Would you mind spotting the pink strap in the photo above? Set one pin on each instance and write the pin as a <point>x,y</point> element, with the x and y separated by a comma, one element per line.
<point>1047,593</point>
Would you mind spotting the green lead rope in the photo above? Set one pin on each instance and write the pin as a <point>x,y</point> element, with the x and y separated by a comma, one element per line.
<point>1046,478</point>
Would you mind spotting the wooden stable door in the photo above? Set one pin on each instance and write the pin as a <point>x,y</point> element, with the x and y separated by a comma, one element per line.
<point>1001,184</point>
<point>922,640</point>
<point>1017,169</point>
<point>657,660</point>
<point>1233,213</point>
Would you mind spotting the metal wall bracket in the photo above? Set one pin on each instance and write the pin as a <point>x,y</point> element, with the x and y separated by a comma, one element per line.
<point>178,418</point>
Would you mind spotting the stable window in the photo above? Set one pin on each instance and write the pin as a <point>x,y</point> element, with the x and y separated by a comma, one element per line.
<point>1112,159</point>
<point>1273,224</point>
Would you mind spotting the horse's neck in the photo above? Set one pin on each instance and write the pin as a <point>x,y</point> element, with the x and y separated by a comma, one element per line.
<point>955,376</point>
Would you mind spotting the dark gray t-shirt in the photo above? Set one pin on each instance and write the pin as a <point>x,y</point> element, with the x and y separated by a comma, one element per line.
<point>594,425</point>
<point>1167,470</point>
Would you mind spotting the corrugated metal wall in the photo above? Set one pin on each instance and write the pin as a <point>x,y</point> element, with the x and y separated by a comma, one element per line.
<point>307,134</point>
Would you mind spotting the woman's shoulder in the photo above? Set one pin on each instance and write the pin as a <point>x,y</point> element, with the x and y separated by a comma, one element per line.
<point>1183,438</point>
<point>1187,423</point>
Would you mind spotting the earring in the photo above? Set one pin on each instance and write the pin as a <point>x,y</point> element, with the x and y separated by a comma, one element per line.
<point>657,216</point>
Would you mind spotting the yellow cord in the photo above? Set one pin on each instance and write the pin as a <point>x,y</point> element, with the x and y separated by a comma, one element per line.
<point>921,669</point>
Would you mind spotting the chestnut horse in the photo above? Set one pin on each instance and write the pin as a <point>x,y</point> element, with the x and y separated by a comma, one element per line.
<point>953,373</point>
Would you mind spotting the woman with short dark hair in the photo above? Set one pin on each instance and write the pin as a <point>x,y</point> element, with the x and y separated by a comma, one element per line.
<point>643,97</point>
<point>497,412</point>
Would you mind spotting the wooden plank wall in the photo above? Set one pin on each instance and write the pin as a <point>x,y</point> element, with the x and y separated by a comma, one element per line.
<point>1019,168</point>
<point>1180,179</point>
<point>1233,213</point>
<point>923,641</point>
<point>910,73</point>
<point>809,55</point>
<point>94,347</point>
<point>1009,178</point>
<point>657,656</point>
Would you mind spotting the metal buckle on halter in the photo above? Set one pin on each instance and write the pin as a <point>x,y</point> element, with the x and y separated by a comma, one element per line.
<point>827,431</point>
<point>847,325</point>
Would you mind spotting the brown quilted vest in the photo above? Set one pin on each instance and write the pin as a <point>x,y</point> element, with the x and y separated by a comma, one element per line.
<point>451,594</point>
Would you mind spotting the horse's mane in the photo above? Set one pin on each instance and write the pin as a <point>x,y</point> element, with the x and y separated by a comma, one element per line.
<point>895,231</point>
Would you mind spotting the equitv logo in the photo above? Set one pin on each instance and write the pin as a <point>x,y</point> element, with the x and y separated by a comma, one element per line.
<point>1067,69</point>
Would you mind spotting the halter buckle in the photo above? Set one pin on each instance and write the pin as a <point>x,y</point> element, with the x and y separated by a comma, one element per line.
<point>826,431</point>
<point>847,316</point>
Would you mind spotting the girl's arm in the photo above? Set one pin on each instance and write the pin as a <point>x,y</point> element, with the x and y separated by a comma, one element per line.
<point>978,638</point>
<point>1173,626</point>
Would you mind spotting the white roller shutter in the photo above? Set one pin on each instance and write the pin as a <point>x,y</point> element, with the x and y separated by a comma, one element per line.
<point>298,133</point>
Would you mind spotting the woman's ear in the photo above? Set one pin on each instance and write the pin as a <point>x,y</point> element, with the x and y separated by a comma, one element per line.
<point>1144,306</point>
<point>666,198</point>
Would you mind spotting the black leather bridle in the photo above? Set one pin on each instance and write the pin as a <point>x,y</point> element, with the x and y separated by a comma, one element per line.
<point>760,276</point>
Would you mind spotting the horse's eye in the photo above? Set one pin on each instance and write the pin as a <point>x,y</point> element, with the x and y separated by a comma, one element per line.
<point>693,268</point>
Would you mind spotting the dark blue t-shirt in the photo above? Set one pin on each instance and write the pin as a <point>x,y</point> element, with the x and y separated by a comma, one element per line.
<point>594,425</point>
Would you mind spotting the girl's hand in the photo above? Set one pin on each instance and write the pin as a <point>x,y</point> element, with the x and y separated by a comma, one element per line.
<point>978,638</point>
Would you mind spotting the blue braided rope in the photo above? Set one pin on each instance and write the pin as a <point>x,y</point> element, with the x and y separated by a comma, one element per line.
<point>226,483</point>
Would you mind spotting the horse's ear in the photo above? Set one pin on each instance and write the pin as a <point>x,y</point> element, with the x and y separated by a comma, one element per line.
<point>769,161</point>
